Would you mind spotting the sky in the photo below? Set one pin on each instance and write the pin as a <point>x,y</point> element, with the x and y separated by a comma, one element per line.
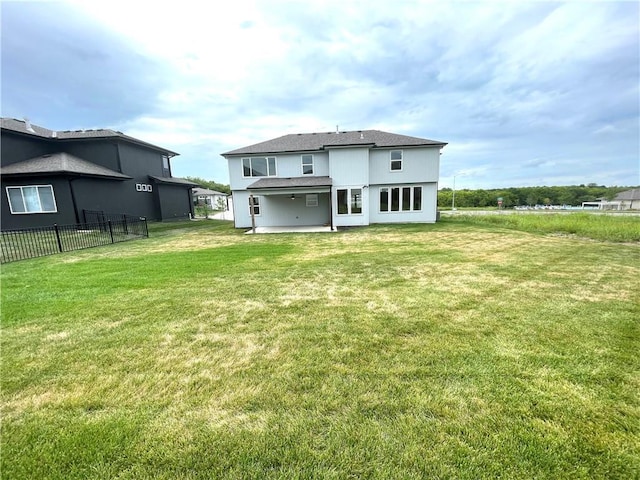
<point>524,93</point>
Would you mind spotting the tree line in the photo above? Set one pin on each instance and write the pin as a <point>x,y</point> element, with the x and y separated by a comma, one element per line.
<point>511,197</point>
<point>211,185</point>
<point>514,196</point>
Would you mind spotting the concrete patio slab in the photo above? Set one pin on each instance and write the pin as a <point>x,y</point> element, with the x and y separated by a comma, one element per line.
<point>300,229</point>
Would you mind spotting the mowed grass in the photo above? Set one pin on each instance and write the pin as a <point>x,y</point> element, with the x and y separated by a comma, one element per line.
<point>452,350</point>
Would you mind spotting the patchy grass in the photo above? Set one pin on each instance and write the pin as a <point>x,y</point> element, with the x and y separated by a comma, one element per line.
<point>452,350</point>
<point>613,227</point>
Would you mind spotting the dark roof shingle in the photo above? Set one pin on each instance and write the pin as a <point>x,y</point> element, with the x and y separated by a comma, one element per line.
<point>21,127</point>
<point>174,181</point>
<point>60,163</point>
<point>297,142</point>
<point>633,194</point>
<point>291,182</point>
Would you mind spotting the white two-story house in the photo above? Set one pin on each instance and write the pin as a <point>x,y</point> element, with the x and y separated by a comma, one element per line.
<point>335,179</point>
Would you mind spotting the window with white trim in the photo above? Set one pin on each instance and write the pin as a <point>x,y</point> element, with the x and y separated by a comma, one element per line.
<point>166,170</point>
<point>307,164</point>
<point>395,161</point>
<point>32,199</point>
<point>400,199</point>
<point>255,206</point>
<point>312,199</point>
<point>349,201</point>
<point>259,167</point>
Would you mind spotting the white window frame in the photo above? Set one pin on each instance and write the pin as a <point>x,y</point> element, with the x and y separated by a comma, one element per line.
<point>256,203</point>
<point>389,190</point>
<point>350,201</point>
<point>311,200</point>
<point>24,205</point>
<point>392,161</point>
<point>269,173</point>
<point>303,164</point>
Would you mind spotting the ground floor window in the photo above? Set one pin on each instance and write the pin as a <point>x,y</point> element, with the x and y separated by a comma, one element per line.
<point>255,205</point>
<point>400,199</point>
<point>32,199</point>
<point>349,201</point>
<point>312,200</point>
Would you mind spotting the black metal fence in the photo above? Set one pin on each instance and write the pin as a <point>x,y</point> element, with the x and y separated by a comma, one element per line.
<point>41,241</point>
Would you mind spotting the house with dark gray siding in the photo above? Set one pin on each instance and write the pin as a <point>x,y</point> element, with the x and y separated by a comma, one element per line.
<point>335,179</point>
<point>55,176</point>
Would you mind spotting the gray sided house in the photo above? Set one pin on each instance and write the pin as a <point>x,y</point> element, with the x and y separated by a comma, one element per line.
<point>55,176</point>
<point>336,178</point>
<point>629,199</point>
<point>211,198</point>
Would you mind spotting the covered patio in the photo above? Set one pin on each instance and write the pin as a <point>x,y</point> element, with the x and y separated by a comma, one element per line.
<point>299,203</point>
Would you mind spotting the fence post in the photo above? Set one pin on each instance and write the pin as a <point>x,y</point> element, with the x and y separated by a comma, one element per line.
<point>124,224</point>
<point>110,230</point>
<point>146,229</point>
<point>55,225</point>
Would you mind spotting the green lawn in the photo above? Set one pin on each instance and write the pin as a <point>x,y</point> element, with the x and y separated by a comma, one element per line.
<point>456,350</point>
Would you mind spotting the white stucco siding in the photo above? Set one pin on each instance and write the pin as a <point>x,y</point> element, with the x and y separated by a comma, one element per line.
<point>427,214</point>
<point>418,165</point>
<point>241,216</point>
<point>349,166</point>
<point>287,165</point>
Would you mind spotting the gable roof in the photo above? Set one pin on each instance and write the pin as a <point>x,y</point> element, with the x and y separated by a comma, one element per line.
<point>206,191</point>
<point>20,126</point>
<point>297,142</point>
<point>633,194</point>
<point>291,182</point>
<point>60,163</point>
<point>174,181</point>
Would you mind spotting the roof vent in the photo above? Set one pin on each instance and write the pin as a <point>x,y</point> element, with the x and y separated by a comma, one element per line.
<point>361,136</point>
<point>28,126</point>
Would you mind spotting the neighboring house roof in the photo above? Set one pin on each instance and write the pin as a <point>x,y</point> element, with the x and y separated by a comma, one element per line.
<point>21,126</point>
<point>206,191</point>
<point>60,163</point>
<point>633,194</point>
<point>320,141</point>
<point>174,181</point>
<point>291,182</point>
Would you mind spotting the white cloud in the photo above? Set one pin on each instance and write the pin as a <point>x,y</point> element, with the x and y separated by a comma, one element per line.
<point>507,84</point>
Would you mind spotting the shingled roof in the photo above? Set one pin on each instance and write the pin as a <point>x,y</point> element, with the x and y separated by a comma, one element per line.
<point>21,126</point>
<point>307,142</point>
<point>633,194</point>
<point>291,182</point>
<point>60,163</point>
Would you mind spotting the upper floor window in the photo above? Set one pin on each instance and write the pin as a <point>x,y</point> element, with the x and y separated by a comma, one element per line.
<point>259,167</point>
<point>166,171</point>
<point>396,160</point>
<point>307,164</point>
<point>32,199</point>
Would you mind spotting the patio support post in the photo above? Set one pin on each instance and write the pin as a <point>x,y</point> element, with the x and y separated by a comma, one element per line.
<point>331,206</point>
<point>253,217</point>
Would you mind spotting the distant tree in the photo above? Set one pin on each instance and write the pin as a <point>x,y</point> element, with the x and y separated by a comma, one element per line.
<point>555,195</point>
<point>210,184</point>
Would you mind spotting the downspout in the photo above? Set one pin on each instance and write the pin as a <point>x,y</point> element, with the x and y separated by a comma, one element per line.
<point>191,210</point>
<point>118,157</point>
<point>73,200</point>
